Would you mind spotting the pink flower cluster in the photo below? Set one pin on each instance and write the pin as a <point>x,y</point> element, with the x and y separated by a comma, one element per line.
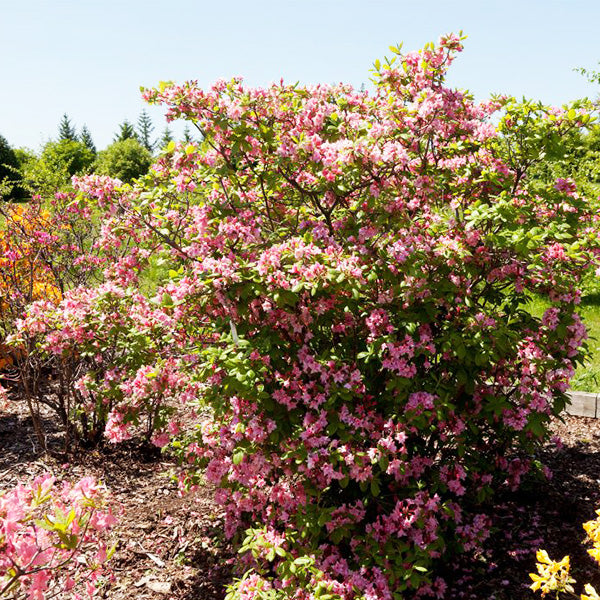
<point>53,538</point>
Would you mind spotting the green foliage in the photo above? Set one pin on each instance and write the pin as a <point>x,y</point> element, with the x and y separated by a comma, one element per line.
<point>588,167</point>
<point>66,131</point>
<point>126,160</point>
<point>573,155</point>
<point>52,170</point>
<point>591,142</point>
<point>126,132</point>
<point>75,156</point>
<point>534,136</point>
<point>9,175</point>
<point>24,156</point>
<point>144,131</point>
<point>43,178</point>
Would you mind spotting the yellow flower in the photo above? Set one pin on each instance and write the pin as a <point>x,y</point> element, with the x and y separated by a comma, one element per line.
<point>595,552</point>
<point>592,528</point>
<point>552,576</point>
<point>590,593</point>
<point>542,557</point>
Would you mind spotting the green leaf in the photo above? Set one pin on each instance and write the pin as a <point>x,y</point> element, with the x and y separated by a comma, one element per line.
<point>384,462</point>
<point>324,517</point>
<point>375,487</point>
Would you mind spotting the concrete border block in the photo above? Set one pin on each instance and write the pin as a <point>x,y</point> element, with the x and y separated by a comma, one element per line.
<point>583,404</point>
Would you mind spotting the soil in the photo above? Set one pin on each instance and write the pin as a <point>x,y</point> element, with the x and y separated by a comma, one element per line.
<point>172,547</point>
<point>544,514</point>
<point>168,546</point>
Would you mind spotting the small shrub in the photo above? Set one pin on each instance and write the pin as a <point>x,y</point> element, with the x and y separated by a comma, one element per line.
<point>122,370</point>
<point>53,538</point>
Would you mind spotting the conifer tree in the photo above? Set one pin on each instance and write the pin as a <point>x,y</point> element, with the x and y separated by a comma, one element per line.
<point>144,131</point>
<point>126,132</point>
<point>86,139</point>
<point>66,131</point>
<point>187,135</point>
<point>166,137</point>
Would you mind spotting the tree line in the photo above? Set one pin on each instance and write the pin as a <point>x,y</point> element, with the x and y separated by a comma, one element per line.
<point>24,172</point>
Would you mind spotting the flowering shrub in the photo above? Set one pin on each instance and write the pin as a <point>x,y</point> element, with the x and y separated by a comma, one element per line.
<point>347,277</point>
<point>554,576</point>
<point>48,247</point>
<point>53,538</point>
<point>125,372</point>
<point>24,277</point>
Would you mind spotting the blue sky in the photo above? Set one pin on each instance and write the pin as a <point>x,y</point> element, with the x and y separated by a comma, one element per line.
<point>88,58</point>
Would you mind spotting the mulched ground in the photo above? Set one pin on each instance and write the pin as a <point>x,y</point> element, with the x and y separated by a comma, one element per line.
<point>171,547</point>
<point>544,514</point>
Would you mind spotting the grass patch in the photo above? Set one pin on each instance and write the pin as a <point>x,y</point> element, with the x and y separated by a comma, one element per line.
<point>587,376</point>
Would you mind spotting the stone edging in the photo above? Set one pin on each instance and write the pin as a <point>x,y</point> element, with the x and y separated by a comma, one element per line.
<point>584,404</point>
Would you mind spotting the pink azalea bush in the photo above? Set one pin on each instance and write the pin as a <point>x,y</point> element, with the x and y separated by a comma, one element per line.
<point>53,538</point>
<point>48,247</point>
<point>347,280</point>
<point>127,374</point>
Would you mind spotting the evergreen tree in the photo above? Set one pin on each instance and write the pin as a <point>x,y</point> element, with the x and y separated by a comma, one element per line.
<point>86,139</point>
<point>126,132</point>
<point>166,137</point>
<point>144,131</point>
<point>66,131</point>
<point>187,135</point>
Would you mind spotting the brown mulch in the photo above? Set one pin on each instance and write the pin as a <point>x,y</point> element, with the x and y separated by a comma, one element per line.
<point>545,514</point>
<point>168,546</point>
<point>172,547</point>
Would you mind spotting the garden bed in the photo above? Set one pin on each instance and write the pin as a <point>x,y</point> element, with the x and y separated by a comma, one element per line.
<point>170,546</point>
<point>167,545</point>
